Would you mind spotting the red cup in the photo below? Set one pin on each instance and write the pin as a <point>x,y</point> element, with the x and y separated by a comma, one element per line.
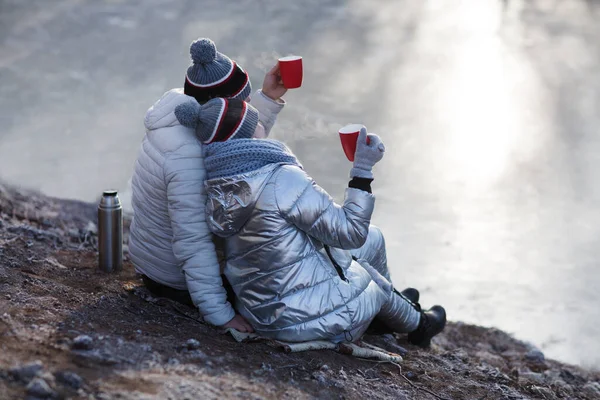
<point>290,68</point>
<point>349,137</point>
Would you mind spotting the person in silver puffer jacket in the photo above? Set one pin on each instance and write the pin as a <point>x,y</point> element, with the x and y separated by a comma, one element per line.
<point>302,267</point>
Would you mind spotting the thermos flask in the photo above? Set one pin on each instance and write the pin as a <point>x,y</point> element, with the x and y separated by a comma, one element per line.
<point>110,232</point>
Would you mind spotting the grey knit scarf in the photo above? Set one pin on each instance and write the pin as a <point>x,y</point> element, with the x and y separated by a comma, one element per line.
<point>234,157</point>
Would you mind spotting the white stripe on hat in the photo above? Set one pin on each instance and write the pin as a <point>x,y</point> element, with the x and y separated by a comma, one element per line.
<point>223,79</point>
<point>218,122</point>
<point>241,122</point>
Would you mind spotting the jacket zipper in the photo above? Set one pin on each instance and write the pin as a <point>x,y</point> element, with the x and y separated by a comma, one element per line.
<point>337,266</point>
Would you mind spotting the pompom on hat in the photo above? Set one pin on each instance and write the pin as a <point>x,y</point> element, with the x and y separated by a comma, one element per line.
<point>219,119</point>
<point>213,74</point>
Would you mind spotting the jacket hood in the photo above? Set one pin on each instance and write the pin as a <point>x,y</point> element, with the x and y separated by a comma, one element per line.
<point>231,200</point>
<point>162,113</point>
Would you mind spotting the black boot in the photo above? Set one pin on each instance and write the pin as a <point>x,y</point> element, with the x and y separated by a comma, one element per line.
<point>432,322</point>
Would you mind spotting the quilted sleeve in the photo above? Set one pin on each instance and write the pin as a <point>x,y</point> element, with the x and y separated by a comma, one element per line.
<point>267,110</point>
<point>192,240</point>
<point>306,205</point>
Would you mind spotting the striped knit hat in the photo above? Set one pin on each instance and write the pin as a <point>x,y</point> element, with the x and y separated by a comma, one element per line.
<point>213,74</point>
<point>219,119</point>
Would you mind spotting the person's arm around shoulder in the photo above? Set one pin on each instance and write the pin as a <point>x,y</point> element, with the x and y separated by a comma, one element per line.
<point>310,208</point>
<point>193,247</point>
<point>268,100</point>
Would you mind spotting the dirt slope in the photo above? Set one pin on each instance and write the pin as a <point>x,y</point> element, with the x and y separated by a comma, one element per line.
<point>69,331</point>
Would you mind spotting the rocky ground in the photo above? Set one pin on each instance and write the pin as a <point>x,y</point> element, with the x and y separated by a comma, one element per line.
<point>68,330</point>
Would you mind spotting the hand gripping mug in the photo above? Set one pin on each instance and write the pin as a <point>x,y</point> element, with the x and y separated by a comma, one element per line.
<point>349,137</point>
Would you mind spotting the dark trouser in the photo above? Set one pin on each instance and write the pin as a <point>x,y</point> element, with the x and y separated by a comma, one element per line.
<point>181,296</point>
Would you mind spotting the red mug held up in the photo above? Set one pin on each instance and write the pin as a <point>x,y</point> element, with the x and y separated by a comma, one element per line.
<point>290,69</point>
<point>349,137</point>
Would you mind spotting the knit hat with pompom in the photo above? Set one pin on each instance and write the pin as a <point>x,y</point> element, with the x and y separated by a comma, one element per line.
<point>218,119</point>
<point>213,74</point>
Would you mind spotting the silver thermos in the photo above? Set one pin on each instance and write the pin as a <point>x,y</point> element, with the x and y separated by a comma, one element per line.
<point>110,232</point>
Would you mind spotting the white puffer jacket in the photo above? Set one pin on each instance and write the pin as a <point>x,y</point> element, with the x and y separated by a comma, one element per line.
<point>170,241</point>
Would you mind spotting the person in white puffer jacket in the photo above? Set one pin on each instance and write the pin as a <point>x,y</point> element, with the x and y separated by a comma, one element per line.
<point>170,243</point>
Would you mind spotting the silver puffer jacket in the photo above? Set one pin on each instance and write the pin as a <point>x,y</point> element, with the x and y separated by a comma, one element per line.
<point>279,223</point>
